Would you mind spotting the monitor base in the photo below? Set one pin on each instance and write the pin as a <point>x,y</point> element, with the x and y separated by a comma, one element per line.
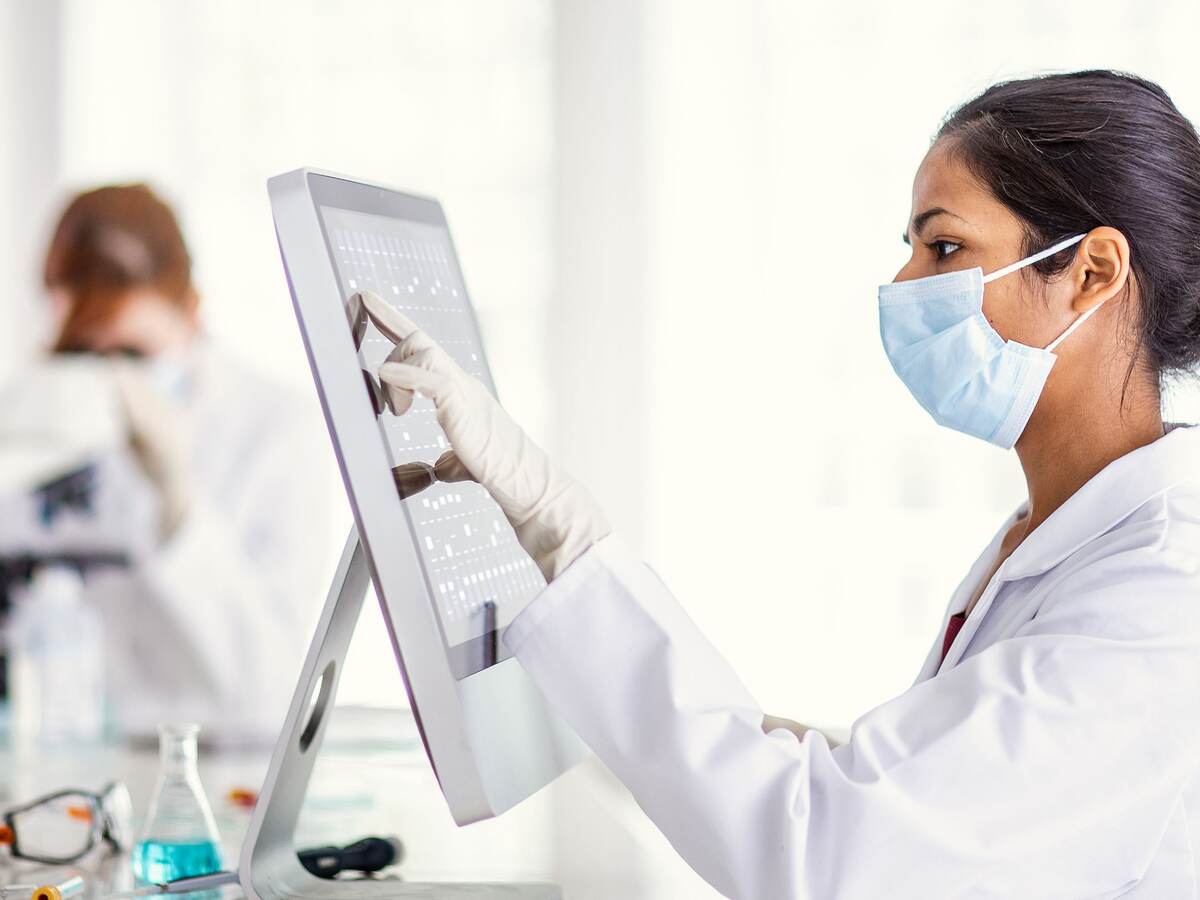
<point>269,868</point>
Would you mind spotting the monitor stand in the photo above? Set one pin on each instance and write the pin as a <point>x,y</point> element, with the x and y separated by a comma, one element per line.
<point>269,868</point>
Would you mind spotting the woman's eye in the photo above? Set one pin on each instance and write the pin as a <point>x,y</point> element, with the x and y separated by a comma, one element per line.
<point>942,249</point>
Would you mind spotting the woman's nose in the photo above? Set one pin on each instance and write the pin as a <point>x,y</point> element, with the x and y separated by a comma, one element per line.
<point>907,273</point>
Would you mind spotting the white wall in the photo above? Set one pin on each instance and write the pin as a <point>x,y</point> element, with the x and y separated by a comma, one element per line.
<point>29,159</point>
<point>598,348</point>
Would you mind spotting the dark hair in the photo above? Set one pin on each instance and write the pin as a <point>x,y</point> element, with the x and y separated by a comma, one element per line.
<point>109,242</point>
<point>1071,152</point>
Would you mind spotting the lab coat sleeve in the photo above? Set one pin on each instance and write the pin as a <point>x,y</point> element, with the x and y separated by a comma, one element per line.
<point>237,586</point>
<point>1046,765</point>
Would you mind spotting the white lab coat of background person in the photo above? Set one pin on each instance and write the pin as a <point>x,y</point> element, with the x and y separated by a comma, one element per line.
<point>210,623</point>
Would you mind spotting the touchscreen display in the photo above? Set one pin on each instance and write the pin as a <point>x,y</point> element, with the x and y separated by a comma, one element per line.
<point>477,573</point>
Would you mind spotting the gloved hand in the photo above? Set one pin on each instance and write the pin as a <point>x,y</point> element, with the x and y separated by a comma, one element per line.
<point>160,437</point>
<point>554,517</point>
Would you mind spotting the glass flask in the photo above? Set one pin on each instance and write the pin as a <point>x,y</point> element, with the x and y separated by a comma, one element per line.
<point>180,837</point>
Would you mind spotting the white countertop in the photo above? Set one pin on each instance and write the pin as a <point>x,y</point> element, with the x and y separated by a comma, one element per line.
<point>372,778</point>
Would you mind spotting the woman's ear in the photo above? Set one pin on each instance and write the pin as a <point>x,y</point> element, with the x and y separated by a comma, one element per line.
<point>1101,268</point>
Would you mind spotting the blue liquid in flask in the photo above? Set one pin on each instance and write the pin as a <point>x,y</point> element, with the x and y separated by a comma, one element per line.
<point>179,838</point>
<point>159,861</point>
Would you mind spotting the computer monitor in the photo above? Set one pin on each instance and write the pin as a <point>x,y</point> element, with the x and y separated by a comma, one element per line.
<point>446,565</point>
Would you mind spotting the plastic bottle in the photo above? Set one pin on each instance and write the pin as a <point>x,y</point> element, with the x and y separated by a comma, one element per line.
<point>57,661</point>
<point>179,838</point>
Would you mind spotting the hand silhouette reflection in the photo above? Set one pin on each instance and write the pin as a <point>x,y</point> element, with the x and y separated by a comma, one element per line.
<point>412,478</point>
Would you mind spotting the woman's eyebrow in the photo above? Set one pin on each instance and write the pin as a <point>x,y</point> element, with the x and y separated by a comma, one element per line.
<point>921,219</point>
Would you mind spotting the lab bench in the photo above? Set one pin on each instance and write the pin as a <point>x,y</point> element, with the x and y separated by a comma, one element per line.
<point>583,832</point>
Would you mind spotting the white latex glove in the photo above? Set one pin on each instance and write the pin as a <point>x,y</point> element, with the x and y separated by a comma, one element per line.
<point>160,437</point>
<point>554,517</point>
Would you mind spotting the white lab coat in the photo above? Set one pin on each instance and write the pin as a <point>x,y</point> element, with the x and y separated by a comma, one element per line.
<point>1052,754</point>
<point>212,625</point>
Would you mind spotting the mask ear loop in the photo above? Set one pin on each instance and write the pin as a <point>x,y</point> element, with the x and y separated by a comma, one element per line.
<point>1066,334</point>
<point>1030,260</point>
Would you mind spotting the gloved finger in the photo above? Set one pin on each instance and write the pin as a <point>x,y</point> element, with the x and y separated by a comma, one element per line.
<point>394,399</point>
<point>406,377</point>
<point>394,324</point>
<point>410,340</point>
<point>450,468</point>
<point>418,349</point>
<point>397,400</point>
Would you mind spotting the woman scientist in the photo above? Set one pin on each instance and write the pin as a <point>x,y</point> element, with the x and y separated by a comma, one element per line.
<point>1050,746</point>
<point>210,620</point>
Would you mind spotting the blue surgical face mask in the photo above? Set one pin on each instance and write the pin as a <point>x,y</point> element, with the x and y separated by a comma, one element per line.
<point>955,364</point>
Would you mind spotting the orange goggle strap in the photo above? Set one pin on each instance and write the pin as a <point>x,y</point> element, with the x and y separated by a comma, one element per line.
<point>6,835</point>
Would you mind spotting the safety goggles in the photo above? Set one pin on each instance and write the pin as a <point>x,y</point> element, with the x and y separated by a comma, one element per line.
<point>61,827</point>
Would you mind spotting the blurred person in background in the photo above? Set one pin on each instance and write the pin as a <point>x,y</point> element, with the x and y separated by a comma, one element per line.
<point>188,455</point>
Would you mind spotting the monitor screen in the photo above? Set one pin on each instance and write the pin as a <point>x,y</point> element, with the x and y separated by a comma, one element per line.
<point>478,575</point>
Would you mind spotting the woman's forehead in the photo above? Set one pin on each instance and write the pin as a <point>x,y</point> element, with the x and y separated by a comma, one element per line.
<point>944,181</point>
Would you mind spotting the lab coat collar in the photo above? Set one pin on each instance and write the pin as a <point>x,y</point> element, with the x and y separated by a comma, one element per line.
<point>1112,494</point>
